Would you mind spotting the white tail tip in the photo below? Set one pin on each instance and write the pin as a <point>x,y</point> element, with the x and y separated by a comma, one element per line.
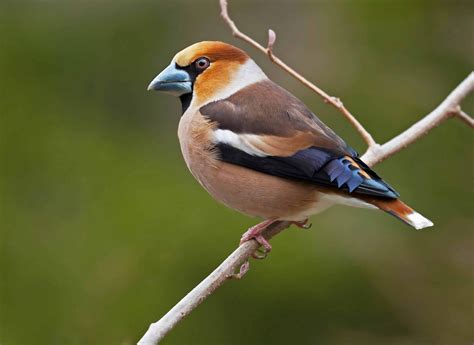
<point>418,221</point>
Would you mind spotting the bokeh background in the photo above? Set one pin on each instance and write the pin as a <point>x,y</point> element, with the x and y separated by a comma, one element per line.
<point>103,229</point>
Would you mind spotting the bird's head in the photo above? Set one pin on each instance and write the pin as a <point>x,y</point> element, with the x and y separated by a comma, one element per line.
<point>207,71</point>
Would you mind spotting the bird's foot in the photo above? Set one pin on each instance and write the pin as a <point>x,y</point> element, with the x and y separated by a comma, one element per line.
<point>255,232</point>
<point>303,224</point>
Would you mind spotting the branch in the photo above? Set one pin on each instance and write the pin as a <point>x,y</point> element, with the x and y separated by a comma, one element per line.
<point>376,153</point>
<point>449,108</point>
<point>226,270</point>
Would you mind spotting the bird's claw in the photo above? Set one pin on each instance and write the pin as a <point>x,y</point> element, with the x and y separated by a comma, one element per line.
<point>255,233</point>
<point>267,248</point>
<point>303,224</point>
<point>259,254</point>
<point>262,252</point>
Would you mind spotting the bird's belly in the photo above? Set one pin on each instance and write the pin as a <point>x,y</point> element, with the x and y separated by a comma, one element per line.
<point>257,194</point>
<point>263,195</point>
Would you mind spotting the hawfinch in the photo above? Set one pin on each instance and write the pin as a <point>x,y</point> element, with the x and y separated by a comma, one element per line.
<point>258,149</point>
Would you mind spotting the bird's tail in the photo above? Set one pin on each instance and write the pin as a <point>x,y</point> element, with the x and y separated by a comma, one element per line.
<point>403,212</point>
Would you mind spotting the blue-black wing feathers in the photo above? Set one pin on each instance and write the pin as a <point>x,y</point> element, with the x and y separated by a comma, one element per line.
<point>315,165</point>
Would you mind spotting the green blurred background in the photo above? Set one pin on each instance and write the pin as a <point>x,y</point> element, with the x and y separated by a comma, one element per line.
<point>103,228</point>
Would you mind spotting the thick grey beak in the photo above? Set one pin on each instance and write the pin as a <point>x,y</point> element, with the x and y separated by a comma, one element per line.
<point>173,81</point>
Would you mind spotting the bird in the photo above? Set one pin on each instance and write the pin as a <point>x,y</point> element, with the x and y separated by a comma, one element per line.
<point>258,149</point>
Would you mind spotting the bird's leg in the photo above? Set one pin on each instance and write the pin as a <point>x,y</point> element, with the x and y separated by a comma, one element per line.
<point>303,224</point>
<point>255,232</point>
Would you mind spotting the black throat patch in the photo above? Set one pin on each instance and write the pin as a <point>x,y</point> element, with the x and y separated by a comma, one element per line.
<point>185,101</point>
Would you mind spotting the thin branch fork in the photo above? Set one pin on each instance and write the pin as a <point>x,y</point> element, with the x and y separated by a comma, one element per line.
<point>375,153</point>
<point>464,117</point>
<point>449,108</point>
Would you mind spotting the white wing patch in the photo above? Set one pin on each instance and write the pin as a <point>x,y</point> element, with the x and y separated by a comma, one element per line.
<point>243,142</point>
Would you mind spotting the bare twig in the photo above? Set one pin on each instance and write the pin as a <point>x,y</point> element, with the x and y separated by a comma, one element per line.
<point>336,102</point>
<point>447,109</point>
<point>376,153</point>
<point>225,271</point>
<point>466,118</point>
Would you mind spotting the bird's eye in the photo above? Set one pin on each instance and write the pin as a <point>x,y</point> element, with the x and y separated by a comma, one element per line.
<point>202,63</point>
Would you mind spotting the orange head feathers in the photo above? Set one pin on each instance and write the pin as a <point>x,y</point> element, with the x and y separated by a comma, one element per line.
<point>207,71</point>
<point>214,51</point>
